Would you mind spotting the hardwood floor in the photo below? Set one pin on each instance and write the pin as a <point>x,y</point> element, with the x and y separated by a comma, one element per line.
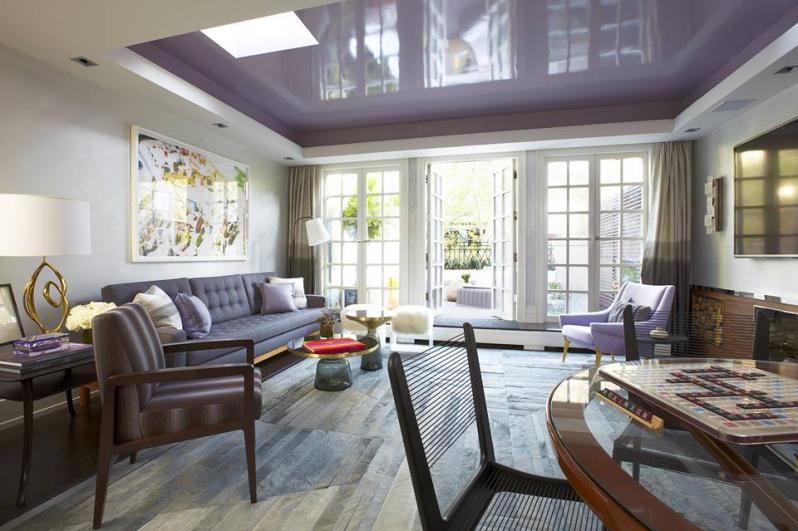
<point>65,450</point>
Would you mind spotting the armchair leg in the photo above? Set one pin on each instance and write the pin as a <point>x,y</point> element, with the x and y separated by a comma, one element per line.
<point>249,443</point>
<point>565,344</point>
<point>101,489</point>
<point>598,356</point>
<point>133,458</point>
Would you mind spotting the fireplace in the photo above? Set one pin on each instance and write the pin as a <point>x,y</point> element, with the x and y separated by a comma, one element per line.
<point>776,337</point>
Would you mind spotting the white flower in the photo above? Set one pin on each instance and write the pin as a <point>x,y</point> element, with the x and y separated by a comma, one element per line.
<point>80,317</point>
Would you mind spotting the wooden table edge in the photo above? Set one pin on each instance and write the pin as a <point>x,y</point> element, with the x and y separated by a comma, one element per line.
<point>612,513</point>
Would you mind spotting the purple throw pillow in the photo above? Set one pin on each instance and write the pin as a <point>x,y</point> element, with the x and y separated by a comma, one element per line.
<point>277,298</point>
<point>194,314</point>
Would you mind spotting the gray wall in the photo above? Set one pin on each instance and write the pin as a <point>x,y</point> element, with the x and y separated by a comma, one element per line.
<point>66,137</point>
<point>713,258</point>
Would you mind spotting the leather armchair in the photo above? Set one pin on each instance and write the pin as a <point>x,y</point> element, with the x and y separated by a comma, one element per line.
<point>146,404</point>
<point>591,330</point>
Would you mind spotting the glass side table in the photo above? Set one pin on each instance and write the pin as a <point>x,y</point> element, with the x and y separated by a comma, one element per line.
<point>372,320</point>
<point>332,370</point>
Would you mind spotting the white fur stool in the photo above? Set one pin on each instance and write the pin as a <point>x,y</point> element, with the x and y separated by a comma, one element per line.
<point>412,320</point>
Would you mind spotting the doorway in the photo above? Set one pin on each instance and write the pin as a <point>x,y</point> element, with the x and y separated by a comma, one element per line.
<point>471,238</point>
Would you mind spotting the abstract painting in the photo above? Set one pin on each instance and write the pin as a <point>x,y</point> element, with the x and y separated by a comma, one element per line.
<point>187,203</point>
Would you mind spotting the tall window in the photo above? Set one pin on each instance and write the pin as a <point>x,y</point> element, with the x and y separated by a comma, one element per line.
<point>361,263</point>
<point>595,221</point>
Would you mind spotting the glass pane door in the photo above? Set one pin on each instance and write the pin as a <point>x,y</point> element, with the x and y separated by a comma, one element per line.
<point>342,217</point>
<point>569,245</point>
<point>620,224</point>
<point>595,214</point>
<point>435,258</point>
<point>361,263</point>
<point>503,246</point>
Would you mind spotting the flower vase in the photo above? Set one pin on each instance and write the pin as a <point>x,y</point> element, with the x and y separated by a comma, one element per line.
<point>86,336</point>
<point>326,330</point>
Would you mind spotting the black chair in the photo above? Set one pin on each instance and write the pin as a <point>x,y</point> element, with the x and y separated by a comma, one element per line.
<point>439,398</point>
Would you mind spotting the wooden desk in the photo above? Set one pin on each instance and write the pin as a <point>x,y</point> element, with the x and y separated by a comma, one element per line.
<point>30,378</point>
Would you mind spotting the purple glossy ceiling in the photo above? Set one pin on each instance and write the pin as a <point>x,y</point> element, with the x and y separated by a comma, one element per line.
<point>405,68</point>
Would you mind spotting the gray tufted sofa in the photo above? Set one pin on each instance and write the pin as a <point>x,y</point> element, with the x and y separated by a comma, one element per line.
<point>234,304</point>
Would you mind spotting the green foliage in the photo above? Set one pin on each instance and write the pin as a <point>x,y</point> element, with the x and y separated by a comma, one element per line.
<point>466,277</point>
<point>241,178</point>
<point>373,211</point>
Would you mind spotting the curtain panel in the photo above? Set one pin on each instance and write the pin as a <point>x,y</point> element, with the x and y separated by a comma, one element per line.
<point>303,182</point>
<point>666,258</point>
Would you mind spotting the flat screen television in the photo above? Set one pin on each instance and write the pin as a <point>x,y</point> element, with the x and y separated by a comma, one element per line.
<point>766,194</point>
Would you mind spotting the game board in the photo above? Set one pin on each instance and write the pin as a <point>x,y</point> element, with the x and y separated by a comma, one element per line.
<point>730,400</point>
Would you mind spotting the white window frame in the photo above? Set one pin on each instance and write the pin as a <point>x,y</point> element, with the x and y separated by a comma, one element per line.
<point>541,185</point>
<point>361,169</point>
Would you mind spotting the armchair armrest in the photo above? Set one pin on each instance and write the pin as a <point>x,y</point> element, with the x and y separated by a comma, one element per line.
<point>167,334</point>
<point>316,301</point>
<point>584,319</point>
<point>609,329</point>
<point>188,346</point>
<point>176,374</point>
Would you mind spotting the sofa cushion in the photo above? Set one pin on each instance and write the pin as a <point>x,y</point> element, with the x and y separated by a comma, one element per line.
<point>256,327</point>
<point>160,307</point>
<point>251,287</point>
<point>194,314</point>
<point>298,292</point>
<point>224,296</point>
<point>277,298</point>
<point>123,293</point>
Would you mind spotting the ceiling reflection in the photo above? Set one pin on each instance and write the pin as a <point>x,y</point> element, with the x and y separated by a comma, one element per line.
<point>385,61</point>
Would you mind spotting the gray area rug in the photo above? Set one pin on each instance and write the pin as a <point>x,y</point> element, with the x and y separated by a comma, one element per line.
<point>325,460</point>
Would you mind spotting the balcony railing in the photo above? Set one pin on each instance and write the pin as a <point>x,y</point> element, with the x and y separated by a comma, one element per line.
<point>467,257</point>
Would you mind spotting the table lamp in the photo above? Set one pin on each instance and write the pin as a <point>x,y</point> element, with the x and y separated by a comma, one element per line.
<point>35,225</point>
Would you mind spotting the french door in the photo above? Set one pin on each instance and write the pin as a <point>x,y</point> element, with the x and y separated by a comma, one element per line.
<point>361,209</point>
<point>435,251</point>
<point>503,255</point>
<point>595,225</point>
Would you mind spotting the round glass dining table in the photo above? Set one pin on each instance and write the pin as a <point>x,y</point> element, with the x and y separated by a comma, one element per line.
<point>677,477</point>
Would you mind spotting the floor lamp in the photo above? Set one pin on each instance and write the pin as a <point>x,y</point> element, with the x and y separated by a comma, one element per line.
<point>35,225</point>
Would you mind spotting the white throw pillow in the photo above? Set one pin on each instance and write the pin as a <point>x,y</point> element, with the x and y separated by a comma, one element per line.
<point>300,298</point>
<point>159,307</point>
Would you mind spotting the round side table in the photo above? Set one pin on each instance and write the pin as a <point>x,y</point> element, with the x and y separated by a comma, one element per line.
<point>332,370</point>
<point>372,320</point>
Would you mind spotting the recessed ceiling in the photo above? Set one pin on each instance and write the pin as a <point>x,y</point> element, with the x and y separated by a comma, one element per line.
<point>387,69</point>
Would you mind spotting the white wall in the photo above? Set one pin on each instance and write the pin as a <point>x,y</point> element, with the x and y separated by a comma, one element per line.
<point>713,258</point>
<point>65,137</point>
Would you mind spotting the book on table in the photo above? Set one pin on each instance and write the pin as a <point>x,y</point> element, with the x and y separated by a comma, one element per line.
<point>334,346</point>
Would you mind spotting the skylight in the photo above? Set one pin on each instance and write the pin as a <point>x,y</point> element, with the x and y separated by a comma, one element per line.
<point>262,35</point>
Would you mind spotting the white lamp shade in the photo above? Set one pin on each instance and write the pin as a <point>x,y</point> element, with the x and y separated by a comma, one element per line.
<point>317,232</point>
<point>35,225</point>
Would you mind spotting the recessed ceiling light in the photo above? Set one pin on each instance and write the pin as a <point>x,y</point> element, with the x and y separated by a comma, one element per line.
<point>787,69</point>
<point>83,61</point>
<point>220,125</point>
<point>692,130</point>
<point>262,35</point>
<point>288,158</point>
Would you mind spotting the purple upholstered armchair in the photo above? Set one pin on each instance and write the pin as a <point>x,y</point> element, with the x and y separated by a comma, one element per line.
<point>591,330</point>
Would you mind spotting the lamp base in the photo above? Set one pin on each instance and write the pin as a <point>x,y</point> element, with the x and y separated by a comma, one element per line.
<point>29,302</point>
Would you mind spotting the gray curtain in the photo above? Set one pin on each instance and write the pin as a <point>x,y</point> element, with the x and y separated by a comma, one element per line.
<point>302,183</point>
<point>666,259</point>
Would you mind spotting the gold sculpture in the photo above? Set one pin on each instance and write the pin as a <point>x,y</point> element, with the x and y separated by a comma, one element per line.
<point>60,288</point>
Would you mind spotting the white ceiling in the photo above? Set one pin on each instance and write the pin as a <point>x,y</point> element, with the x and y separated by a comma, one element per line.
<point>54,31</point>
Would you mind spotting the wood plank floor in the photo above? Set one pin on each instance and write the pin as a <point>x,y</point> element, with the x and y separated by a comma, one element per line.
<point>325,460</point>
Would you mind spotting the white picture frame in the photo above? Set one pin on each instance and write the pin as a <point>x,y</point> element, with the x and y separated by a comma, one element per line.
<point>198,211</point>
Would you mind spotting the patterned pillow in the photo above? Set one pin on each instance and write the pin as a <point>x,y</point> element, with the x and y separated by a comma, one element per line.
<point>194,314</point>
<point>159,307</point>
<point>639,312</point>
<point>277,298</point>
<point>299,289</point>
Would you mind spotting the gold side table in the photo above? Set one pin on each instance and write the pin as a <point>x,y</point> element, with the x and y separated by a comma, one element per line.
<point>372,320</point>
